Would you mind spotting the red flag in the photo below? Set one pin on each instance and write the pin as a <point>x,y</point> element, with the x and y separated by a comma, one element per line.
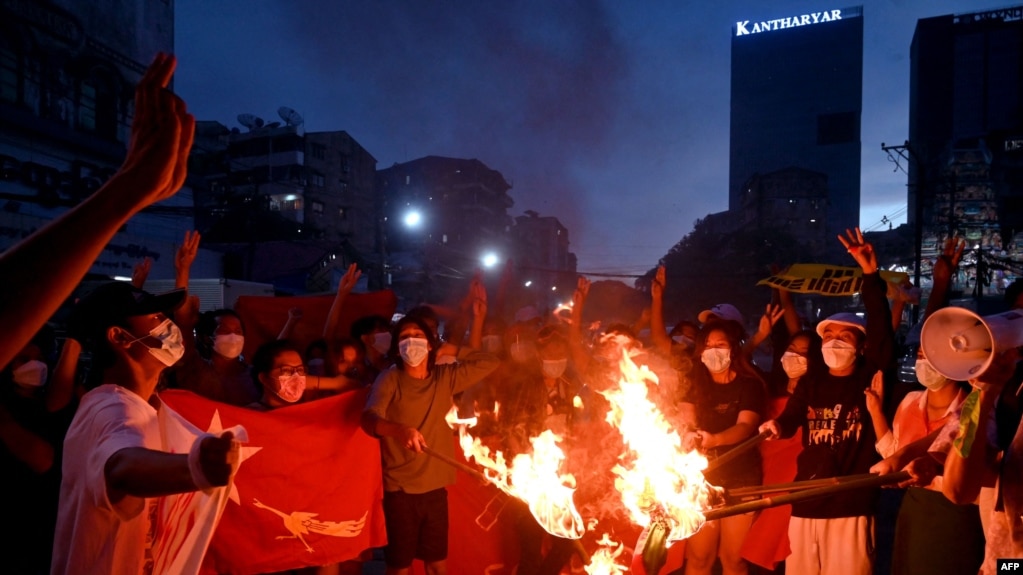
<point>309,488</point>
<point>481,536</point>
<point>264,316</point>
<point>767,542</point>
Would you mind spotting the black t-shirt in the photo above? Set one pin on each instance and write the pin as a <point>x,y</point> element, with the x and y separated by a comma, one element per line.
<point>717,408</point>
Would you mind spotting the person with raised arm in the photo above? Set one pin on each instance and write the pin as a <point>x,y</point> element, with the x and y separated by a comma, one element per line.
<point>835,535</point>
<point>41,271</point>
<point>406,410</point>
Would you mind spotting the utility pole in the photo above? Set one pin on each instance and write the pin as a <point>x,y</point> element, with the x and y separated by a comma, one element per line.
<point>907,153</point>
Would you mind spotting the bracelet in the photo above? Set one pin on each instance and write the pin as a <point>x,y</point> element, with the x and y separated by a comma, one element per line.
<point>195,468</point>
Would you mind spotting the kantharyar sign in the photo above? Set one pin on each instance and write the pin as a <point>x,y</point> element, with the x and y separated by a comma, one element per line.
<point>748,27</point>
<point>828,280</point>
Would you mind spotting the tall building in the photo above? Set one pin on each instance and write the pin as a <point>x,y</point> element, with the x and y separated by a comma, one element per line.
<point>274,183</point>
<point>68,72</point>
<point>441,217</point>
<point>966,139</point>
<point>543,260</point>
<point>796,103</point>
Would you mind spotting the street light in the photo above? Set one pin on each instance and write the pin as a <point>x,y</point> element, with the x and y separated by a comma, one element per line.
<point>489,259</point>
<point>413,219</point>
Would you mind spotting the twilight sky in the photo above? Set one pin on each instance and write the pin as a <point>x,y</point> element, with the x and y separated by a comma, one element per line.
<point>612,116</point>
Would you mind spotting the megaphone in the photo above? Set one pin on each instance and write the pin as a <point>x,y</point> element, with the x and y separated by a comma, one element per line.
<point>961,345</point>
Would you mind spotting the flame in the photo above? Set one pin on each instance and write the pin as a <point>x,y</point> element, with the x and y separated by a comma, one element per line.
<point>533,478</point>
<point>603,562</point>
<point>658,480</point>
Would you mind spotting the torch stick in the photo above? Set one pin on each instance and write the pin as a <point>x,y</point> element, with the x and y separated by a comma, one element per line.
<point>737,451</point>
<point>793,485</point>
<point>576,544</point>
<point>805,495</point>
<point>456,464</point>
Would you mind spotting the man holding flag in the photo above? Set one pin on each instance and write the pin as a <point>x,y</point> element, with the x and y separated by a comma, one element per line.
<point>122,463</point>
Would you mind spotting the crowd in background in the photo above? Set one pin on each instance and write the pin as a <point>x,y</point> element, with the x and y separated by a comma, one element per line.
<point>78,403</point>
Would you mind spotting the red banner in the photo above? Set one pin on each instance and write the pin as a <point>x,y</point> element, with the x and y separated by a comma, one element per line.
<point>308,491</point>
<point>481,536</point>
<point>265,316</point>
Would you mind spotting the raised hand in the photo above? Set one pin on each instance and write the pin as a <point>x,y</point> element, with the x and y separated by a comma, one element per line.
<point>875,394</point>
<point>657,286</point>
<point>349,280</point>
<point>140,272</point>
<point>582,289</point>
<point>478,296</point>
<point>186,253</point>
<point>161,137</point>
<point>948,261</point>
<point>861,250</point>
<point>772,313</point>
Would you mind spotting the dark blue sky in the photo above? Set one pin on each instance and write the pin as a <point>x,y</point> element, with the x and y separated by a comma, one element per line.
<point>612,116</point>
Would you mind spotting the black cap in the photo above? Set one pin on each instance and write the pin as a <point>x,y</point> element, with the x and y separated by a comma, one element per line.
<point>111,303</point>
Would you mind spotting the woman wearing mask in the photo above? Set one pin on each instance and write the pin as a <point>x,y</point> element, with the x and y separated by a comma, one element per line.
<point>767,543</point>
<point>722,407</point>
<point>405,410</point>
<point>835,534</point>
<point>213,365</point>
<point>279,369</point>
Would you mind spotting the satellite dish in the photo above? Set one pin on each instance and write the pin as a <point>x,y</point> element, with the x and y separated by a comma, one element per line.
<point>290,117</point>
<point>273,125</point>
<point>258,122</point>
<point>247,120</point>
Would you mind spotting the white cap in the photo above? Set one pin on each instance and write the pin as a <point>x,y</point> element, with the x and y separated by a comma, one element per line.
<point>725,311</point>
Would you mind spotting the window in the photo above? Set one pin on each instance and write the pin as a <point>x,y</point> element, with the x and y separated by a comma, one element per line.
<point>341,213</point>
<point>87,106</point>
<point>318,151</point>
<point>317,179</point>
<point>317,207</point>
<point>9,76</point>
<point>97,104</point>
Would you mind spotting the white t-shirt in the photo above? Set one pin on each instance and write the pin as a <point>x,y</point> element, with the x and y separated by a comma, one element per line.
<point>94,535</point>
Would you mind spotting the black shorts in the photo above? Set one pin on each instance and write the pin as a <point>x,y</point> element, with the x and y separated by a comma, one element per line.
<point>417,527</point>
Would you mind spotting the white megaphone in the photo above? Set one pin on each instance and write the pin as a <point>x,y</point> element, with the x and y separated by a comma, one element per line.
<point>961,345</point>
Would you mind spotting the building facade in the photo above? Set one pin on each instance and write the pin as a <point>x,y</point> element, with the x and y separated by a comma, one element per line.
<point>792,199</point>
<point>966,142</point>
<point>441,218</point>
<point>796,101</point>
<point>274,182</point>
<point>68,71</point>
<point>543,260</point>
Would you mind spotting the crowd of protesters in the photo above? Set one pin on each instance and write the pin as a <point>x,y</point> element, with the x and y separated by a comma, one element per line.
<point>81,446</point>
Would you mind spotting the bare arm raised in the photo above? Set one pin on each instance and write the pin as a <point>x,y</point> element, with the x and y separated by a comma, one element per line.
<point>41,271</point>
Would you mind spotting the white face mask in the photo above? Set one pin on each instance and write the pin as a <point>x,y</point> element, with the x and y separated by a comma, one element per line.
<point>793,364</point>
<point>717,360</point>
<point>171,347</point>
<point>838,354</point>
<point>683,341</point>
<point>30,374</point>
<point>382,342</point>
<point>553,368</point>
<point>414,350</point>
<point>928,376</point>
<point>291,387</point>
<point>229,345</point>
